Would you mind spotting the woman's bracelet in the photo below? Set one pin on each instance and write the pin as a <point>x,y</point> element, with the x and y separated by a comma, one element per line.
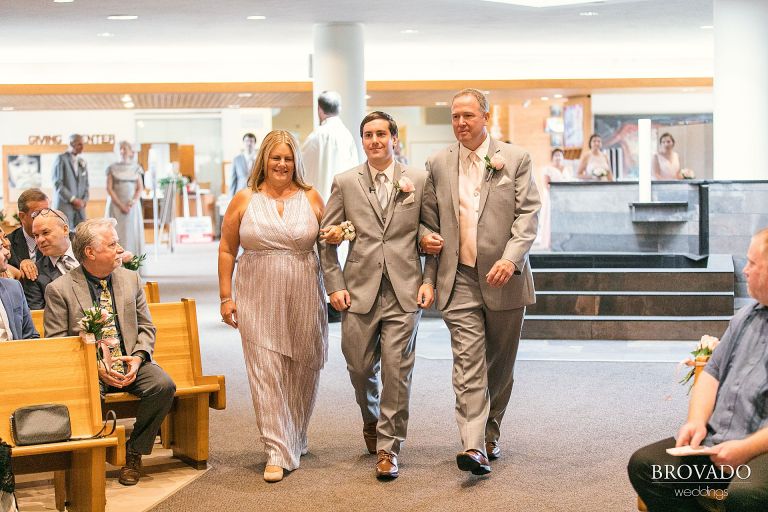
<point>226,299</point>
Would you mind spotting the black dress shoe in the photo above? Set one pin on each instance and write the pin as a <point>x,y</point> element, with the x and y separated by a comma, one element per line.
<point>473,461</point>
<point>493,450</point>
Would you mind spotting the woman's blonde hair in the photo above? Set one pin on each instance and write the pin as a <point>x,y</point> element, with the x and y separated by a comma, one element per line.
<point>270,142</point>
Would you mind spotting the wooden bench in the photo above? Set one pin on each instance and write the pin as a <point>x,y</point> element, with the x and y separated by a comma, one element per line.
<point>62,371</point>
<point>151,291</point>
<point>177,351</point>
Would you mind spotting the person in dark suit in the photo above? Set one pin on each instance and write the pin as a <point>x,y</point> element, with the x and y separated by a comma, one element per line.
<point>100,279</point>
<point>15,319</point>
<point>56,258</point>
<point>23,247</point>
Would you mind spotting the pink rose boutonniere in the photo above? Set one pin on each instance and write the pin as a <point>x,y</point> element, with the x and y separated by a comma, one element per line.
<point>405,185</point>
<point>492,164</point>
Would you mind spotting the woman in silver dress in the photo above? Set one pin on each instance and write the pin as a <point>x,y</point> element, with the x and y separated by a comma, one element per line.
<point>124,186</point>
<point>279,300</point>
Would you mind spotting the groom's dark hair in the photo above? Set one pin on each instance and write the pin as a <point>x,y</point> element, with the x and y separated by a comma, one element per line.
<point>377,114</point>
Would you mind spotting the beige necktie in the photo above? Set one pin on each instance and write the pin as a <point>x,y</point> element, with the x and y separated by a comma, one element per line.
<point>65,264</point>
<point>381,190</point>
<point>475,172</point>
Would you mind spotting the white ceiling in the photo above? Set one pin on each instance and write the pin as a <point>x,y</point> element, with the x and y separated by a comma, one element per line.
<point>200,40</point>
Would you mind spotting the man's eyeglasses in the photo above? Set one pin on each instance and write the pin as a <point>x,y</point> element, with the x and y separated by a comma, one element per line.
<point>45,211</point>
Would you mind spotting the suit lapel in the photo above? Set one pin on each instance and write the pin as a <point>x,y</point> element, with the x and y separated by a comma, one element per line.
<point>399,171</point>
<point>366,184</point>
<point>82,292</point>
<point>486,185</point>
<point>453,178</point>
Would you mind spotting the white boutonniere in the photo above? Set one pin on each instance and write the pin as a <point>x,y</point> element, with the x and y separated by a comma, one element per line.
<point>599,172</point>
<point>405,185</point>
<point>492,164</point>
<point>347,230</point>
<point>81,163</point>
<point>687,174</point>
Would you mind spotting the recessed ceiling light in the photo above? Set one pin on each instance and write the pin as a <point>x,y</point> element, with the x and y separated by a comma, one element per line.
<point>257,17</point>
<point>233,106</point>
<point>409,31</point>
<point>543,3</point>
<point>707,27</point>
<point>526,103</point>
<point>7,109</point>
<point>244,94</point>
<point>545,98</point>
<point>558,96</point>
<point>122,17</point>
<point>128,104</point>
<point>589,13</point>
<point>105,34</point>
<point>63,1</point>
<point>126,98</point>
<point>441,103</point>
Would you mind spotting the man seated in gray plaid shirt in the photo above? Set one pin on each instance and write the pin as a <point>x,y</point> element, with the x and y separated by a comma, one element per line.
<point>728,412</point>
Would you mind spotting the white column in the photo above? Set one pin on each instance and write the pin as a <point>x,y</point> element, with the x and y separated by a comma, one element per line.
<point>644,159</point>
<point>740,85</point>
<point>338,65</point>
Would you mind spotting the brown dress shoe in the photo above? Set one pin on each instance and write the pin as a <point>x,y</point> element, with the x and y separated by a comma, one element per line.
<point>493,450</point>
<point>474,461</point>
<point>386,466</point>
<point>369,434</point>
<point>131,472</point>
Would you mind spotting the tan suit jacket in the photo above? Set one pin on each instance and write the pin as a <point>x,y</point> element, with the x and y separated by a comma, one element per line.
<point>389,240</point>
<point>506,226</point>
<point>67,297</point>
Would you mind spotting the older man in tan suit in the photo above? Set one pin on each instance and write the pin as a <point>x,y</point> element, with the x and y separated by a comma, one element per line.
<point>482,200</point>
<point>101,279</point>
<point>382,289</point>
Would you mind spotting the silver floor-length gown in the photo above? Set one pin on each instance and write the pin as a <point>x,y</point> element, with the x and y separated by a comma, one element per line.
<point>282,320</point>
<point>130,226</point>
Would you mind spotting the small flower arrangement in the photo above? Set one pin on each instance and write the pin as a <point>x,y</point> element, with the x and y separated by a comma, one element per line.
<point>687,174</point>
<point>404,185</point>
<point>177,179</point>
<point>492,164</point>
<point>701,355</point>
<point>95,320</point>
<point>347,230</point>
<point>132,262</point>
<point>599,172</point>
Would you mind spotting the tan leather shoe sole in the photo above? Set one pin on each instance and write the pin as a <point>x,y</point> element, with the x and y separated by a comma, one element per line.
<point>273,474</point>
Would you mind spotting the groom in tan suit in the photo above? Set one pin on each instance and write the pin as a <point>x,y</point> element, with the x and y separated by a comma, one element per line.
<point>382,289</point>
<point>482,205</point>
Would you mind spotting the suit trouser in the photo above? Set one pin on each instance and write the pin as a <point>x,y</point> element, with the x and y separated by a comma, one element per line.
<point>484,345</point>
<point>384,338</point>
<point>155,390</point>
<point>678,494</point>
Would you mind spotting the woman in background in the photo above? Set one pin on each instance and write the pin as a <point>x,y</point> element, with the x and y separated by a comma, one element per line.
<point>594,165</point>
<point>279,301</point>
<point>666,163</point>
<point>124,187</point>
<point>557,170</point>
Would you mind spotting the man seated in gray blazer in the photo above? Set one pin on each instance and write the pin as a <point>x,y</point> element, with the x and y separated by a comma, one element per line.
<point>70,182</point>
<point>101,280</point>
<point>51,233</point>
<point>15,319</point>
<point>382,288</point>
<point>482,200</point>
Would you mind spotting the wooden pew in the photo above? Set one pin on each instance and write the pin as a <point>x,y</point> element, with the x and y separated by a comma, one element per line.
<point>63,371</point>
<point>151,291</point>
<point>177,351</point>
